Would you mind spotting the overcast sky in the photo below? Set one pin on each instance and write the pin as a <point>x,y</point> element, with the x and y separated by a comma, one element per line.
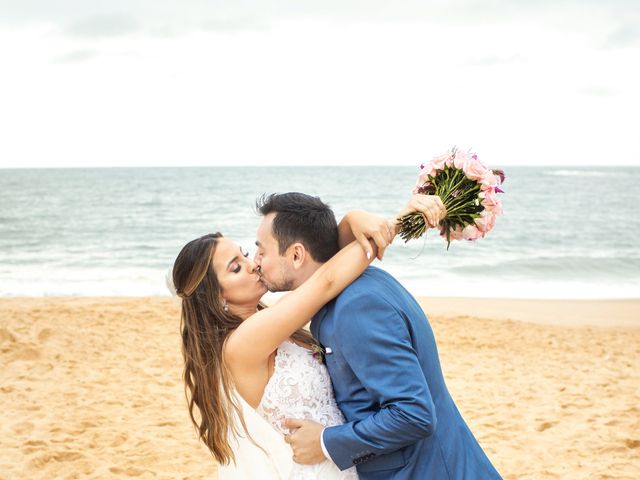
<point>326,82</point>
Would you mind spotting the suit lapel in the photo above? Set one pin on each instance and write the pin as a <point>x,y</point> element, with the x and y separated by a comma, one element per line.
<point>316,321</point>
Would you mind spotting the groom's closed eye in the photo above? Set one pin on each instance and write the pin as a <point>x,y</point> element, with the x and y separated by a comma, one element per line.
<point>259,250</point>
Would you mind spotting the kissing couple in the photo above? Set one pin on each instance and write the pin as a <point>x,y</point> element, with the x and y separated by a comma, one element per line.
<point>362,396</point>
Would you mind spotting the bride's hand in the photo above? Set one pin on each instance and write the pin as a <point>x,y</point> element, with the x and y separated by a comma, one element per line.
<point>365,226</point>
<point>430,206</point>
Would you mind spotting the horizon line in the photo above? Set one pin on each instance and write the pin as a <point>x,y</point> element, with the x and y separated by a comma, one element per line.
<point>104,167</point>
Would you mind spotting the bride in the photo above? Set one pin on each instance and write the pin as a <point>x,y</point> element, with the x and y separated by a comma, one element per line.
<point>232,344</point>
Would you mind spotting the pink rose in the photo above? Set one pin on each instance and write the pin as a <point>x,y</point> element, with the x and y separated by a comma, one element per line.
<point>461,160</point>
<point>490,199</point>
<point>491,202</point>
<point>424,177</point>
<point>455,234</point>
<point>471,232</point>
<point>497,209</point>
<point>486,221</point>
<point>449,162</point>
<point>439,162</point>
<point>474,169</point>
<point>489,181</point>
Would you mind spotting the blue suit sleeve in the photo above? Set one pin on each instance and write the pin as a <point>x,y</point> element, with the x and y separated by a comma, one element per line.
<point>376,342</point>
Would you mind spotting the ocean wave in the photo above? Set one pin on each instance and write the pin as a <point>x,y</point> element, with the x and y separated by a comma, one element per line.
<point>84,282</point>
<point>514,261</point>
<point>566,267</point>
<point>525,288</point>
<point>585,173</point>
<point>549,232</point>
<point>436,284</point>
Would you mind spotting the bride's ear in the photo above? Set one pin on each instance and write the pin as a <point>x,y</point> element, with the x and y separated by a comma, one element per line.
<point>298,255</point>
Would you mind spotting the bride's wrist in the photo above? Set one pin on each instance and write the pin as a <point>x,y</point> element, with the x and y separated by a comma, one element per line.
<point>394,228</point>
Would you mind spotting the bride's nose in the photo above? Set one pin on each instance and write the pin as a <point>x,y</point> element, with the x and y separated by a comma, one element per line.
<point>253,267</point>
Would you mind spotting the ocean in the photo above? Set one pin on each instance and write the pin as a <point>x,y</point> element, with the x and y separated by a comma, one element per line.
<point>566,232</point>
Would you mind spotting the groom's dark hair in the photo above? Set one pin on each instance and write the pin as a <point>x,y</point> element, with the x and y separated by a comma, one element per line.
<point>302,218</point>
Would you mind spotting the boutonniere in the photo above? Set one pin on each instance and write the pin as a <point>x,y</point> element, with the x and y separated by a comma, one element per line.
<point>318,352</point>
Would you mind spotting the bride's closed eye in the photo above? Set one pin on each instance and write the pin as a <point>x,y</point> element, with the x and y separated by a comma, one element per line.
<point>245,254</point>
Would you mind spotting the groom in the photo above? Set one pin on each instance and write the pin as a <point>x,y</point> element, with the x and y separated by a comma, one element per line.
<point>401,422</point>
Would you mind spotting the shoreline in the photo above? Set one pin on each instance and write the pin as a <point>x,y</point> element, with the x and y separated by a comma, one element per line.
<point>610,313</point>
<point>599,313</point>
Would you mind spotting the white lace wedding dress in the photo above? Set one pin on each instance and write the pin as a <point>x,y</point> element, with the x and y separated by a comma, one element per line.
<point>300,387</point>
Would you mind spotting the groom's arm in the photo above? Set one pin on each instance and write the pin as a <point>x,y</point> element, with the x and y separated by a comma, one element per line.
<point>376,342</point>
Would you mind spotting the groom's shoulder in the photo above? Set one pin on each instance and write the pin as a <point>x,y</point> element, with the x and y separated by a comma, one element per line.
<point>375,293</point>
<point>374,282</point>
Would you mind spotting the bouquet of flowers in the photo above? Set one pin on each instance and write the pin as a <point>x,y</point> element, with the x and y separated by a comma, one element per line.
<point>468,190</point>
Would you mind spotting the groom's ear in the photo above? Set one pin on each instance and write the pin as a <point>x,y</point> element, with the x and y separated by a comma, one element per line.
<point>298,255</point>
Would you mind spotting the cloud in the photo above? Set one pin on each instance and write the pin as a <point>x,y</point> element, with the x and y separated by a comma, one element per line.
<point>210,25</point>
<point>624,36</point>
<point>100,26</point>
<point>493,60</point>
<point>76,56</point>
<point>169,18</point>
<point>159,11</point>
<point>231,24</point>
<point>598,91</point>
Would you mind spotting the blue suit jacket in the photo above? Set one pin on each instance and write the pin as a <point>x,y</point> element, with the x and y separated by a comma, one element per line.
<point>384,366</point>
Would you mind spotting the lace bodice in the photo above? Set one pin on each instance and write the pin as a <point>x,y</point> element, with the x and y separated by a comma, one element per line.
<point>300,387</point>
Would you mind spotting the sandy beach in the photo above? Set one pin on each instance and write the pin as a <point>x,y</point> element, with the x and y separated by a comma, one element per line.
<point>91,387</point>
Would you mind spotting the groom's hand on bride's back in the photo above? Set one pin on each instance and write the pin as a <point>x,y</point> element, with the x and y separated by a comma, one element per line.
<point>305,440</point>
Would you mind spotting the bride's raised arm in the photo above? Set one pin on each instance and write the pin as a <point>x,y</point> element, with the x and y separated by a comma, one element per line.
<point>260,334</point>
<point>363,226</point>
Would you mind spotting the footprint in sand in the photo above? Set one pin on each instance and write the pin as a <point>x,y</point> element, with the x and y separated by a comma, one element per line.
<point>631,443</point>
<point>7,336</point>
<point>33,446</point>
<point>88,424</point>
<point>60,456</point>
<point>44,334</point>
<point>22,428</point>
<point>544,426</point>
<point>35,443</point>
<point>119,440</point>
<point>166,424</point>
<point>26,353</point>
<point>131,471</point>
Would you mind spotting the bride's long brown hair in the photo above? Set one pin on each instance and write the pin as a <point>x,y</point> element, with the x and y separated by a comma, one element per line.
<point>205,326</point>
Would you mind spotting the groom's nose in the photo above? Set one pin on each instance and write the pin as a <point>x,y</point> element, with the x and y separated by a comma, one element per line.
<point>254,267</point>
